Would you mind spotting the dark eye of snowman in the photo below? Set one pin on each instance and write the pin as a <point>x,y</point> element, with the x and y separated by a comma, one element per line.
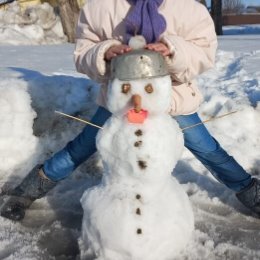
<point>126,88</point>
<point>149,88</point>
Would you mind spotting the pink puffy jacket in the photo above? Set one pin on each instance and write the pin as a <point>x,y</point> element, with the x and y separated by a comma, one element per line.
<point>190,36</point>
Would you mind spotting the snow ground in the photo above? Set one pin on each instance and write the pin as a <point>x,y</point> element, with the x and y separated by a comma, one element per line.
<point>46,75</point>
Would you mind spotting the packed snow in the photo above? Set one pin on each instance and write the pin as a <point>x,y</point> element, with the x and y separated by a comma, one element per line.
<point>37,80</point>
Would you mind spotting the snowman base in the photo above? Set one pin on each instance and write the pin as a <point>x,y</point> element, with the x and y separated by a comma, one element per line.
<point>120,224</point>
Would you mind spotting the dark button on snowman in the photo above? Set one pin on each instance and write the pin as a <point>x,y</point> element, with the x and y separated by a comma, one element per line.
<point>139,211</point>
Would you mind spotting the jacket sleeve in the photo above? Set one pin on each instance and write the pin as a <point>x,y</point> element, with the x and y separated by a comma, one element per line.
<point>194,51</point>
<point>90,49</point>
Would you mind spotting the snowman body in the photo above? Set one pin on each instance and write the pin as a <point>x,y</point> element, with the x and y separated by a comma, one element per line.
<point>139,211</point>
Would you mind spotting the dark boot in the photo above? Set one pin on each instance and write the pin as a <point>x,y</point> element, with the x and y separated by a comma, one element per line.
<point>34,186</point>
<point>250,196</point>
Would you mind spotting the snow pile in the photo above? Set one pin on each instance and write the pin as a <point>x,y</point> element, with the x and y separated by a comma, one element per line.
<point>34,25</point>
<point>25,138</point>
<point>236,90</point>
<point>17,142</point>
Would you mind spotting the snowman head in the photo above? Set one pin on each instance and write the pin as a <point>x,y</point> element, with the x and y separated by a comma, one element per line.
<point>139,81</point>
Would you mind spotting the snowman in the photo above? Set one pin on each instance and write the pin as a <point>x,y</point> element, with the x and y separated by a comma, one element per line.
<point>138,211</point>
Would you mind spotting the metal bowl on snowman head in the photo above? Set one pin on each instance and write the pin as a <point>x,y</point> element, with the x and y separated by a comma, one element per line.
<point>138,64</point>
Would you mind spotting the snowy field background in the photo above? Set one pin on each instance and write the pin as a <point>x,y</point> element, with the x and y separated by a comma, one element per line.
<point>37,80</point>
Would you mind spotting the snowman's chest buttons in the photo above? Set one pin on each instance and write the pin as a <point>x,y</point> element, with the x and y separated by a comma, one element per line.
<point>142,164</point>
<point>138,196</point>
<point>139,132</point>
<point>138,143</point>
<point>138,211</point>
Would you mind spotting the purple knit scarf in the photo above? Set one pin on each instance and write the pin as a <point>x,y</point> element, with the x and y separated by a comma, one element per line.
<point>144,19</point>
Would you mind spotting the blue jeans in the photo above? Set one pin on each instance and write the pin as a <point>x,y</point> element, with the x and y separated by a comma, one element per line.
<point>197,139</point>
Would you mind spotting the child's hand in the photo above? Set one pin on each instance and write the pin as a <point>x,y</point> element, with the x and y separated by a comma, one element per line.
<point>116,50</point>
<point>159,47</point>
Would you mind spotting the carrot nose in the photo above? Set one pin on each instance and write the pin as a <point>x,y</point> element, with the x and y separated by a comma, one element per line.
<point>137,103</point>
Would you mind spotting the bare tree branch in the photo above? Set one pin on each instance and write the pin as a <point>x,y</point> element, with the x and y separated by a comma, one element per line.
<point>233,6</point>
